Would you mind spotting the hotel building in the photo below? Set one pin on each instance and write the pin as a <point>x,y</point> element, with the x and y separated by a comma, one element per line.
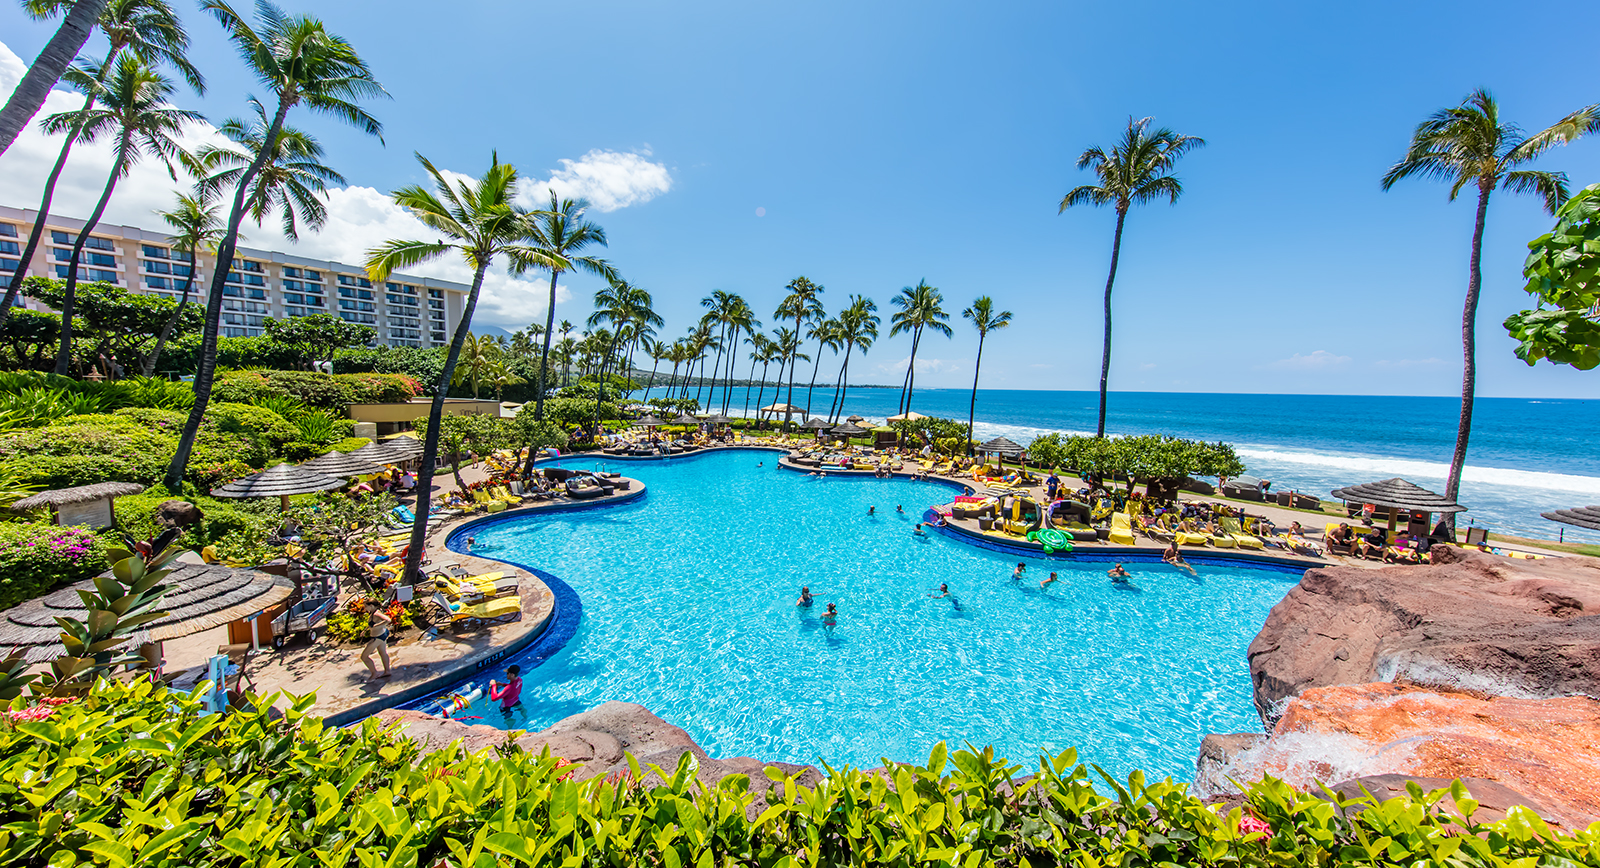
<point>405,311</point>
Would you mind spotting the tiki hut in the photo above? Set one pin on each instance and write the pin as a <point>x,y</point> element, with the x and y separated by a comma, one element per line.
<point>88,505</point>
<point>848,429</point>
<point>1398,494</point>
<point>1585,516</point>
<point>817,424</point>
<point>1002,447</point>
<point>908,416</point>
<point>685,419</point>
<point>344,465</point>
<point>199,597</point>
<point>718,419</point>
<point>648,421</point>
<point>401,449</point>
<point>373,453</point>
<point>281,481</point>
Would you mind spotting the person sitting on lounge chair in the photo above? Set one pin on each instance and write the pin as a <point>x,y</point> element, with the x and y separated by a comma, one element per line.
<point>1338,536</point>
<point>1373,543</point>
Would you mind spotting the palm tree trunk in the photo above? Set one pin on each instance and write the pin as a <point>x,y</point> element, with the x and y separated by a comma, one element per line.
<point>46,70</point>
<point>788,410</point>
<point>811,388</point>
<point>747,384</point>
<point>600,395</point>
<point>911,370</point>
<point>430,446</point>
<point>69,294</point>
<point>900,408</point>
<point>645,398</point>
<point>37,232</point>
<point>1105,347</point>
<point>733,358</point>
<point>760,393</point>
<point>166,330</point>
<point>833,405</point>
<point>972,408</point>
<point>544,357</point>
<point>206,368</point>
<point>1469,349</point>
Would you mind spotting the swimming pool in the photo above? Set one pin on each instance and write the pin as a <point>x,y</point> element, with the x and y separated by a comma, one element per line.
<point>688,608</point>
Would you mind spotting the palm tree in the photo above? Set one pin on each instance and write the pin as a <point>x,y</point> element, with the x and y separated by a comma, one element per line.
<point>826,333</point>
<point>800,304</point>
<point>760,351</point>
<point>301,63</point>
<point>787,342</point>
<point>565,350</point>
<point>657,350</point>
<point>985,320</point>
<point>292,179</point>
<point>501,375</point>
<point>196,226</point>
<point>1138,170</point>
<point>720,305</point>
<point>47,69</point>
<point>479,354</point>
<point>858,327</point>
<point>622,304</point>
<point>147,28</point>
<point>921,308</point>
<point>740,319</point>
<point>1470,144</point>
<point>134,108</point>
<point>560,234</point>
<point>481,222</point>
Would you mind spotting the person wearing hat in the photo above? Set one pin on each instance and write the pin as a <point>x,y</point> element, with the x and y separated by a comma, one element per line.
<point>509,694</point>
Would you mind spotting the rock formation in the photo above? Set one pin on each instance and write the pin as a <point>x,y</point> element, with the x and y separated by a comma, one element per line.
<point>1542,753</point>
<point>1471,621</point>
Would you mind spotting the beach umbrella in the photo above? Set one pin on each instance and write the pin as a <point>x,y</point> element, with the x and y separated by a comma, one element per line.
<point>1586,516</point>
<point>372,453</point>
<point>849,430</point>
<point>785,408</point>
<point>718,419</point>
<point>685,419</point>
<point>1003,447</point>
<point>79,495</point>
<point>856,419</point>
<point>340,464</point>
<point>1397,493</point>
<point>907,417</point>
<point>199,597</point>
<point>816,424</point>
<point>281,481</point>
<point>649,421</point>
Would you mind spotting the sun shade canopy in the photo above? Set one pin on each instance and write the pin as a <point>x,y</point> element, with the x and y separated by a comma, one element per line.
<point>281,480</point>
<point>1399,493</point>
<point>1586,516</point>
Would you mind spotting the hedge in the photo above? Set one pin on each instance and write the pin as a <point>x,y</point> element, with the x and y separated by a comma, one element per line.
<point>133,774</point>
<point>318,390</point>
<point>38,557</point>
<point>130,445</point>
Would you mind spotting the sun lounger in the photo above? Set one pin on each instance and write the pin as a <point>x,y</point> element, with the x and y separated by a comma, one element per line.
<point>1240,538</point>
<point>489,610</point>
<point>1122,530</point>
<point>471,588</point>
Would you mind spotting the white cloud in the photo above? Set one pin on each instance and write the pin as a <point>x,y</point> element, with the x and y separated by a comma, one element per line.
<point>608,179</point>
<point>1318,360</point>
<point>359,218</point>
<point>926,365</point>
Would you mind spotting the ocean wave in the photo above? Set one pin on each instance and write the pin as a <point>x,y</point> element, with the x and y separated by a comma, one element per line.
<point>1408,467</point>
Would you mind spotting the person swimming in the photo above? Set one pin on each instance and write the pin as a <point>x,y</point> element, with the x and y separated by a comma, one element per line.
<point>1117,572</point>
<point>1175,558</point>
<point>872,510</point>
<point>1048,582</point>
<point>805,597</point>
<point>899,508</point>
<point>918,531</point>
<point>471,541</point>
<point>944,591</point>
<point>1017,573</point>
<point>830,618</point>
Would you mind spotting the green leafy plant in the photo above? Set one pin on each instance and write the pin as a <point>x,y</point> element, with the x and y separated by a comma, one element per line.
<point>288,407</point>
<point>317,427</point>
<point>37,557</point>
<point>1563,272</point>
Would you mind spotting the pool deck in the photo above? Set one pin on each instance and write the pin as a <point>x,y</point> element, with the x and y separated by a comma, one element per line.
<point>420,668</point>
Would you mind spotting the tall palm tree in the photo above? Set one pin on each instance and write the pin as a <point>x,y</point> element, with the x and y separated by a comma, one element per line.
<point>481,222</point>
<point>858,327</point>
<point>565,350</point>
<point>826,333</point>
<point>623,305</point>
<point>479,354</point>
<point>740,319</point>
<point>1137,170</point>
<point>302,64</point>
<point>47,69</point>
<point>800,304</point>
<point>291,181</point>
<point>768,350</point>
<point>147,28</point>
<point>760,351</point>
<point>560,235</point>
<point>719,313</point>
<point>133,108</point>
<point>656,350</point>
<point>985,319</point>
<point>1470,144</point>
<point>196,226</point>
<point>787,342</point>
<point>921,308</point>
<point>501,376</point>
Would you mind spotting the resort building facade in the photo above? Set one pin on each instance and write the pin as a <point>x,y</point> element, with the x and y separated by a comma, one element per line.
<point>405,311</point>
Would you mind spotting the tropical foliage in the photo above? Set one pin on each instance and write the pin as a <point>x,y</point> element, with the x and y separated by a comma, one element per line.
<point>1157,461</point>
<point>1563,271</point>
<point>37,557</point>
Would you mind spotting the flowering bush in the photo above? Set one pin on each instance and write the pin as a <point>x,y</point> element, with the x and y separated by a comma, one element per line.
<point>37,557</point>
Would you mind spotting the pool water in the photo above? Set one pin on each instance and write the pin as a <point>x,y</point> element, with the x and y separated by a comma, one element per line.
<point>688,608</point>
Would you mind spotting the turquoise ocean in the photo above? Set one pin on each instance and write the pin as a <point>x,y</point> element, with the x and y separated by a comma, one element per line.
<point>1526,456</point>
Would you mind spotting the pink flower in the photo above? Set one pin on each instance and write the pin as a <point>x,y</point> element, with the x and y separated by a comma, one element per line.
<point>1250,825</point>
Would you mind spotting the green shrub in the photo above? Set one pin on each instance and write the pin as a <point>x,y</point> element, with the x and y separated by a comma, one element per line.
<point>38,557</point>
<point>238,528</point>
<point>285,406</point>
<point>65,455</point>
<point>134,775</point>
<point>258,422</point>
<point>348,444</point>
<point>317,390</point>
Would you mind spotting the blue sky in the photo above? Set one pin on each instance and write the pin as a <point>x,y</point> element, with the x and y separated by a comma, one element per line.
<point>892,142</point>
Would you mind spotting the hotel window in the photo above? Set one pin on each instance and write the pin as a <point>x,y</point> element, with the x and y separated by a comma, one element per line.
<point>9,231</point>
<point>291,310</point>
<point>290,271</point>
<point>59,237</point>
<point>158,283</point>
<point>407,289</point>
<point>436,293</point>
<point>106,276</point>
<point>435,304</point>
<point>183,270</point>
<point>404,333</point>
<point>308,274</point>
<point>183,256</point>
<point>10,247</point>
<point>248,279</point>
<point>9,264</point>
<point>154,252</point>
<point>436,337</point>
<point>400,299</point>
<point>156,267</point>
<point>102,259</point>
<point>61,254</point>
<point>366,318</point>
<point>98,243</point>
<point>247,265</point>
<point>349,280</point>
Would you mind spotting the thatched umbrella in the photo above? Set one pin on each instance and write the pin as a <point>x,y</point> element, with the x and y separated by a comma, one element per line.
<point>790,409</point>
<point>84,496</point>
<point>649,421</point>
<point>817,424</point>
<point>1585,516</point>
<point>909,416</point>
<point>342,465</point>
<point>718,419</point>
<point>199,597</point>
<point>402,448</point>
<point>1396,494</point>
<point>1002,447</point>
<point>855,419</point>
<point>281,480</point>
<point>685,419</point>
<point>375,453</point>
<point>849,430</point>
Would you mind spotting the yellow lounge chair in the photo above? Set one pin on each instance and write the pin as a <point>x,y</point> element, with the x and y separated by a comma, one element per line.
<point>1122,530</point>
<point>486,585</point>
<point>500,492</point>
<point>1242,539</point>
<point>491,609</point>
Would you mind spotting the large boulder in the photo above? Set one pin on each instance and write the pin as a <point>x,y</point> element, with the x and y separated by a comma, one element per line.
<point>1540,753</point>
<point>1473,621</point>
<point>178,513</point>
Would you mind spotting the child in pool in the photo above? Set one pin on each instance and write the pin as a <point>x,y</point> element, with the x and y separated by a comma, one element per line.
<point>1048,582</point>
<point>830,618</point>
<point>1017,573</point>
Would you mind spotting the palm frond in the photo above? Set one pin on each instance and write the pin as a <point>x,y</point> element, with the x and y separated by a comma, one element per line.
<point>392,256</point>
<point>1551,187</point>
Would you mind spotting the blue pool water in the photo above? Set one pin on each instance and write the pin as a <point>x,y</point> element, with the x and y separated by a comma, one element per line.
<point>688,608</point>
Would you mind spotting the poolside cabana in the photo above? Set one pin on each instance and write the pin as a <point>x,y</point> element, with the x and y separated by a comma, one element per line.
<point>87,505</point>
<point>649,421</point>
<point>1003,447</point>
<point>199,597</point>
<point>787,409</point>
<point>1399,494</point>
<point>343,465</point>
<point>281,480</point>
<point>909,416</point>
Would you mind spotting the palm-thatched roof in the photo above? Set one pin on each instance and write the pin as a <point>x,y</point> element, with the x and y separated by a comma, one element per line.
<point>1001,446</point>
<point>402,448</point>
<point>77,494</point>
<point>815,423</point>
<point>648,421</point>
<point>685,419</point>
<point>1583,516</point>
<point>372,453</point>
<point>342,464</point>
<point>1399,493</point>
<point>718,419</point>
<point>848,430</point>
<point>199,597</point>
<point>279,480</point>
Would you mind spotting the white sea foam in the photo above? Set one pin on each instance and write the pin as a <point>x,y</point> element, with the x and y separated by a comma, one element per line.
<point>1411,468</point>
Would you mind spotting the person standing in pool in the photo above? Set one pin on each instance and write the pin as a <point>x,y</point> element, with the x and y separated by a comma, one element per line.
<point>900,508</point>
<point>918,531</point>
<point>1175,558</point>
<point>1048,582</point>
<point>830,618</point>
<point>1016,574</point>
<point>805,597</point>
<point>1117,572</point>
<point>872,510</point>
<point>471,541</point>
<point>509,694</point>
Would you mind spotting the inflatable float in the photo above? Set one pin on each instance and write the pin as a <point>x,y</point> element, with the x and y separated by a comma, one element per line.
<point>1053,540</point>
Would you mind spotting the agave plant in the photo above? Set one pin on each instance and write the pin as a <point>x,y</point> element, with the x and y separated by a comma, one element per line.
<point>284,405</point>
<point>319,427</point>
<point>40,405</point>
<point>154,392</point>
